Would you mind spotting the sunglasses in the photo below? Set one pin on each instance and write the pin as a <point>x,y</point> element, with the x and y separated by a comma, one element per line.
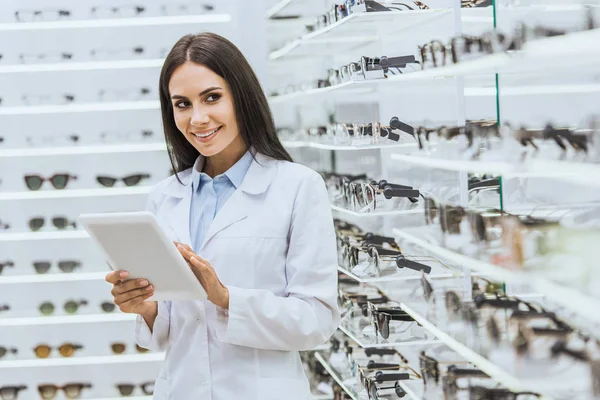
<point>4,351</point>
<point>36,223</point>
<point>11,392</point>
<point>486,393</point>
<point>71,390</point>
<point>108,307</point>
<point>370,382</point>
<point>67,266</point>
<point>126,389</point>
<point>131,180</point>
<point>381,317</point>
<point>59,181</point>
<point>6,264</point>
<point>116,12</point>
<point>70,307</point>
<point>119,348</point>
<point>4,307</point>
<point>65,350</point>
<point>41,15</point>
<point>104,53</point>
<point>4,225</point>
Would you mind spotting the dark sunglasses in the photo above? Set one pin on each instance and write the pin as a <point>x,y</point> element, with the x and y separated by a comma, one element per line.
<point>68,266</point>
<point>381,317</point>
<point>131,180</point>
<point>59,181</point>
<point>4,351</point>
<point>126,389</point>
<point>11,392</point>
<point>36,223</point>
<point>71,390</point>
<point>370,382</point>
<point>70,307</point>
<point>119,348</point>
<point>4,307</point>
<point>6,264</point>
<point>65,350</point>
<point>107,307</point>
<point>4,225</point>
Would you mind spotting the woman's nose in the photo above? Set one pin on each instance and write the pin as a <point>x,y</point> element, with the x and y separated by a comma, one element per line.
<point>199,117</point>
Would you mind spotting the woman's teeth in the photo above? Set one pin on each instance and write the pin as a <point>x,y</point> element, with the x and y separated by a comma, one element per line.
<point>207,134</point>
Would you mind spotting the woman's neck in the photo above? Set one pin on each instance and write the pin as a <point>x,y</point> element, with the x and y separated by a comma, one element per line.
<point>221,162</point>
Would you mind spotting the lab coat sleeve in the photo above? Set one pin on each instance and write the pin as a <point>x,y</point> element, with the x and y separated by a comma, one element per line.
<point>157,339</point>
<point>308,315</point>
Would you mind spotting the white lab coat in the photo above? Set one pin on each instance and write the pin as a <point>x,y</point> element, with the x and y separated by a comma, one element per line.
<point>273,245</point>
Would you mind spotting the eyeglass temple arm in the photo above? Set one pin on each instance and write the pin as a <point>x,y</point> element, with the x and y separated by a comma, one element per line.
<point>402,262</point>
<point>396,124</point>
<point>392,377</point>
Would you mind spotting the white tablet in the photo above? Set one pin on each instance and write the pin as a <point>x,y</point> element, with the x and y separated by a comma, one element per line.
<point>134,242</point>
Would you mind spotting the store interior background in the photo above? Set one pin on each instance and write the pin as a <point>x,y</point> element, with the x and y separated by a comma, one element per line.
<point>95,113</point>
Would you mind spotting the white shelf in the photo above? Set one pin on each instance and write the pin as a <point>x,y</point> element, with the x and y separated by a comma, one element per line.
<point>570,299</point>
<point>482,363</point>
<point>81,108</point>
<point>78,150</point>
<point>354,29</point>
<point>120,22</point>
<point>67,319</point>
<point>361,342</point>
<point>335,376</point>
<point>278,7</point>
<point>405,275</point>
<point>376,213</point>
<point>584,173</point>
<point>346,147</point>
<point>82,66</point>
<point>75,193</point>
<point>55,235</point>
<point>79,361</point>
<point>56,277</point>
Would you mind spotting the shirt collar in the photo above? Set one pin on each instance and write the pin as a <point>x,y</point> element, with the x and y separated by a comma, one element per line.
<point>235,174</point>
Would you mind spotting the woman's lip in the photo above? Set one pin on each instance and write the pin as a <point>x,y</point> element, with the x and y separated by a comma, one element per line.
<point>205,132</point>
<point>208,138</point>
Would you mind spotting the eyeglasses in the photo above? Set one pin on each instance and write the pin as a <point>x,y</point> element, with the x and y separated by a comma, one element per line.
<point>381,317</point>
<point>119,348</point>
<point>42,99</point>
<point>126,389</point>
<point>52,140</point>
<point>59,181</point>
<point>65,350</point>
<point>36,223</point>
<point>4,307</point>
<point>185,9</point>
<point>4,351</point>
<point>124,94</point>
<point>71,390</point>
<point>370,382</point>
<point>11,392</point>
<point>6,264</point>
<point>4,225</point>
<point>486,393</point>
<point>118,135</point>
<point>26,58</point>
<point>107,307</point>
<point>67,266</point>
<point>109,53</point>
<point>41,15</point>
<point>130,180</point>
<point>116,12</point>
<point>70,307</point>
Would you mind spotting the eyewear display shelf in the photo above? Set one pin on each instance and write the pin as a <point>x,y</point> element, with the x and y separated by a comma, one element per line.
<point>528,88</point>
<point>31,68</point>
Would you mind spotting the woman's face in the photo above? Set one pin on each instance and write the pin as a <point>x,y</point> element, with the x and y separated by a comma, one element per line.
<point>203,108</point>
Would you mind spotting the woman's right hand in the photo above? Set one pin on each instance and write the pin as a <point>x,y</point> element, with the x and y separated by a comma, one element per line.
<point>131,295</point>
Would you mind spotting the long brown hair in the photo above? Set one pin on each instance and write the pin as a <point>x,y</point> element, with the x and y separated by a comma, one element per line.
<point>252,111</point>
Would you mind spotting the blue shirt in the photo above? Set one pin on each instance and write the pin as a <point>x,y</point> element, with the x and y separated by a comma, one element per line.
<point>209,195</point>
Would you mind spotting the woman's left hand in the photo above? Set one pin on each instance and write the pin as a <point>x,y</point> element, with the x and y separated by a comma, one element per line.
<point>206,275</point>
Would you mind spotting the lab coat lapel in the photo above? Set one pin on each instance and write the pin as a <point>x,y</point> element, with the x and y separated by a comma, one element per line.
<point>179,218</point>
<point>256,181</point>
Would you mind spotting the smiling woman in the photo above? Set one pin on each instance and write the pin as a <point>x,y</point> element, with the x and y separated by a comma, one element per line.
<point>207,84</point>
<point>254,227</point>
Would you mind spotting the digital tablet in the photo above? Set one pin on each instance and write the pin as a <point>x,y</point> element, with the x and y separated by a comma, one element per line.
<point>134,242</point>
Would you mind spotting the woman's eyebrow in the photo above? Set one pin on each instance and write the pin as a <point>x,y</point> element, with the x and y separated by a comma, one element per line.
<point>210,89</point>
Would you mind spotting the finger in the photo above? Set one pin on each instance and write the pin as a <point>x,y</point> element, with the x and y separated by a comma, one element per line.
<point>127,286</point>
<point>135,301</point>
<point>116,276</point>
<point>123,298</point>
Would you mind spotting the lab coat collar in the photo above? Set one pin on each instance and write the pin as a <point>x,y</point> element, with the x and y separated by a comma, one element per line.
<point>257,179</point>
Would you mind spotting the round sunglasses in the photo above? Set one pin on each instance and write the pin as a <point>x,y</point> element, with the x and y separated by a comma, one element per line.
<point>70,307</point>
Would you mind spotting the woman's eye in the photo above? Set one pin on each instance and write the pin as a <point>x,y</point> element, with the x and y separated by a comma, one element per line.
<point>213,97</point>
<point>181,104</point>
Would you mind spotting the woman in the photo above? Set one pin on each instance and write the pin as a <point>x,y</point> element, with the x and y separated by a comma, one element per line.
<point>255,228</point>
